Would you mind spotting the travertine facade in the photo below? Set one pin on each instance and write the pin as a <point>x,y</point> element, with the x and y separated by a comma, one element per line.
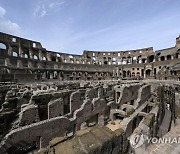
<point>25,60</point>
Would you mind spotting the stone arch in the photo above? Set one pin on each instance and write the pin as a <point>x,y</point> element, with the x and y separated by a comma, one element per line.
<point>139,59</point>
<point>44,58</point>
<point>134,58</point>
<point>124,73</point>
<point>138,74</point>
<point>26,55</point>
<point>129,73</point>
<point>133,74</point>
<point>3,46</point>
<point>101,74</point>
<point>148,72</point>
<point>55,75</point>
<point>151,58</point>
<point>85,74</point>
<point>177,55</point>
<point>79,73</point>
<point>168,57</point>
<point>15,54</point>
<point>162,58</point>
<point>73,73</point>
<point>129,59</point>
<point>144,60</point>
<point>35,57</point>
<point>53,58</point>
<point>96,74</point>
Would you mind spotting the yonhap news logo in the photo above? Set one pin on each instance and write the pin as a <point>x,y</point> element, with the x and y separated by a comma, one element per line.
<point>138,139</point>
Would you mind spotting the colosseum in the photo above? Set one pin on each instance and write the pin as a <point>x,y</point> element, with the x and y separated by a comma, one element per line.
<point>100,102</point>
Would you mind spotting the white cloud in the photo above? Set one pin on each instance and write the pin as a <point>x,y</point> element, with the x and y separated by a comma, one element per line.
<point>40,10</point>
<point>8,26</point>
<point>44,6</point>
<point>56,4</point>
<point>2,12</point>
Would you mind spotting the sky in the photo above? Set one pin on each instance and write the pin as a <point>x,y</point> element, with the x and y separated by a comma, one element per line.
<point>72,26</point>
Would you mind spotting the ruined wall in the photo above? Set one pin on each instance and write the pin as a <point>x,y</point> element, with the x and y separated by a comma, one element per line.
<point>20,57</point>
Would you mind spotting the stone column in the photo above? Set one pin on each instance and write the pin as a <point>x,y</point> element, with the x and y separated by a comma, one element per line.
<point>9,50</point>
<point>49,57</point>
<point>20,51</point>
<point>40,55</point>
<point>31,53</point>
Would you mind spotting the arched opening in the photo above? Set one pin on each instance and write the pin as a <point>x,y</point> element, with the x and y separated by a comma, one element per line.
<point>3,46</point>
<point>143,60</point>
<point>15,54</point>
<point>129,73</point>
<point>133,74</point>
<point>44,58</point>
<point>134,59</point>
<point>80,74</point>
<point>58,55</point>
<point>151,58</point>
<point>162,58</point>
<point>53,58</point>
<point>168,57</point>
<point>148,72</point>
<point>123,62</point>
<point>124,74</point>
<point>117,96</point>
<point>26,56</point>
<point>105,62</point>
<point>128,59</point>
<point>177,55</point>
<point>35,57</point>
<point>138,74</point>
<point>73,73</point>
<point>85,74</point>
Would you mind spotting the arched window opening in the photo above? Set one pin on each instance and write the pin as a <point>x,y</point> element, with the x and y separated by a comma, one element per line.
<point>148,72</point>
<point>162,58</point>
<point>44,58</point>
<point>143,61</point>
<point>35,57</point>
<point>3,46</point>
<point>26,56</point>
<point>151,58</point>
<point>168,57</point>
<point>70,56</point>
<point>15,54</point>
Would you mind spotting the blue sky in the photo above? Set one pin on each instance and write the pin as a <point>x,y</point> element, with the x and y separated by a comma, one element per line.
<point>75,25</point>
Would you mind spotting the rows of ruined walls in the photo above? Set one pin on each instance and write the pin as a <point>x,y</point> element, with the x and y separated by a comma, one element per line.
<point>165,115</point>
<point>94,109</point>
<point>88,105</point>
<point>146,118</point>
<point>146,121</point>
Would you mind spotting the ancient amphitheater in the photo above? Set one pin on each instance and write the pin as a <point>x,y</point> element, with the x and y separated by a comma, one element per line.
<point>100,102</point>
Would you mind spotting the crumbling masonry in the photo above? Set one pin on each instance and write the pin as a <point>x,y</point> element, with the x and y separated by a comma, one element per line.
<point>69,104</point>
